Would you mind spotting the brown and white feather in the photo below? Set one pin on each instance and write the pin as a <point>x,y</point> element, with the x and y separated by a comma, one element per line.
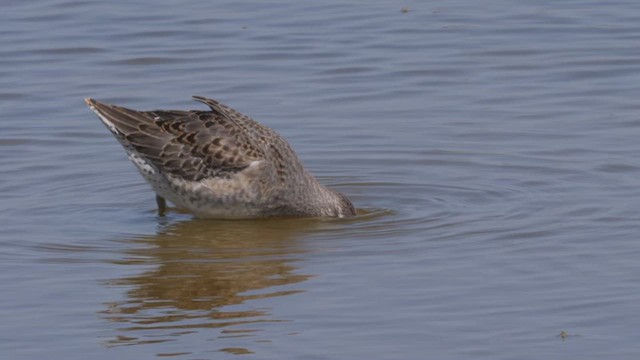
<point>219,163</point>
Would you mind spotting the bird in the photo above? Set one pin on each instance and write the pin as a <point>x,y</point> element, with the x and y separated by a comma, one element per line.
<point>219,163</point>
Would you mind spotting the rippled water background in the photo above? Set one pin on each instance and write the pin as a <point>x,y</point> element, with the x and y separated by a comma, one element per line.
<point>493,146</point>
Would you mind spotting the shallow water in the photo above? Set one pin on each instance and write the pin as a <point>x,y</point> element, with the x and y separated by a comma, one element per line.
<point>492,151</point>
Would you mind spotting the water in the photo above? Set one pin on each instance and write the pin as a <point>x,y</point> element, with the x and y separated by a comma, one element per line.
<point>491,148</point>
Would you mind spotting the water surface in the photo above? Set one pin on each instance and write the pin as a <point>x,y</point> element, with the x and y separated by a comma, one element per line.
<point>492,150</point>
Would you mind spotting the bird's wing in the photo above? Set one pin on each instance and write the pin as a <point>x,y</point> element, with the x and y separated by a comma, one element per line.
<point>192,145</point>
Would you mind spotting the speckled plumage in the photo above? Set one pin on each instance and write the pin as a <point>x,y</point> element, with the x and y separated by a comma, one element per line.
<point>219,163</point>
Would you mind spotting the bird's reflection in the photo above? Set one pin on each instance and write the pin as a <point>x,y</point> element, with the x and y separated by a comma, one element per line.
<point>200,275</point>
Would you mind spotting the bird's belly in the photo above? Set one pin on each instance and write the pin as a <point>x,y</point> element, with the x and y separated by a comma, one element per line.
<point>228,199</point>
<point>207,203</point>
<point>205,206</point>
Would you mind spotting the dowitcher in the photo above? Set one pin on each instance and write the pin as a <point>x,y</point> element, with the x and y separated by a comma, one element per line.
<point>219,163</point>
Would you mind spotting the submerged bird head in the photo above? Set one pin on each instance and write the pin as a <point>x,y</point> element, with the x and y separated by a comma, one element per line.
<point>345,206</point>
<point>339,205</point>
<point>317,199</point>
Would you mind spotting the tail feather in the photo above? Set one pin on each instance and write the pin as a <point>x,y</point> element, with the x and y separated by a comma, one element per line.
<point>131,126</point>
<point>119,120</point>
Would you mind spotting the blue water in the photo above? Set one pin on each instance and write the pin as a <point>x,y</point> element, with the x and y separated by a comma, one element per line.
<point>491,148</point>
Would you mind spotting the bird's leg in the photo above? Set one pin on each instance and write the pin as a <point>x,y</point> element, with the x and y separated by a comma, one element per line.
<point>162,205</point>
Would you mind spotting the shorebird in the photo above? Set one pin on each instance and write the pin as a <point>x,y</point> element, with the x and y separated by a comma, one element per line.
<point>219,163</point>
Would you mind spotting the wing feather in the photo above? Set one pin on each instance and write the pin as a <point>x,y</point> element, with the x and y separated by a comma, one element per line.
<point>193,145</point>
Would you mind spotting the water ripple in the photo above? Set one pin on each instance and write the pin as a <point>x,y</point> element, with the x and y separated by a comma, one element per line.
<point>491,153</point>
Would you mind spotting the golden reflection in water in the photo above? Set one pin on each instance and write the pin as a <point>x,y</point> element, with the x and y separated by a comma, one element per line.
<point>200,267</point>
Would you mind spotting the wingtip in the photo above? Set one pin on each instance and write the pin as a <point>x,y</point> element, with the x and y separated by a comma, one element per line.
<point>90,102</point>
